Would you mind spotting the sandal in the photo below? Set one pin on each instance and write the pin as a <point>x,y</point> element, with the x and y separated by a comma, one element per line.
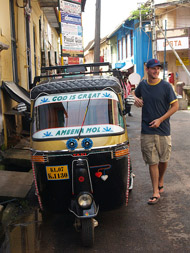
<point>151,202</point>
<point>161,188</point>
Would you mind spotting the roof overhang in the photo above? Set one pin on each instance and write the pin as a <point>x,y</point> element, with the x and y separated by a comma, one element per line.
<point>119,65</point>
<point>50,9</point>
<point>16,92</point>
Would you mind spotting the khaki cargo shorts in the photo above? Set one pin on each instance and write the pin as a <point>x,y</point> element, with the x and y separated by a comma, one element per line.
<point>155,148</point>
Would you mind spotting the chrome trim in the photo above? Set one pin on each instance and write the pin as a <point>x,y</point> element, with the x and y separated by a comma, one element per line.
<point>84,217</point>
<point>80,149</point>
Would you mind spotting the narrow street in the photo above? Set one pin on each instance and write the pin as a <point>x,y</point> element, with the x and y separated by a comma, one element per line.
<point>138,227</point>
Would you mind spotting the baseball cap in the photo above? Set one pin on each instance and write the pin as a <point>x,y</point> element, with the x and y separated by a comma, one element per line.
<point>153,63</point>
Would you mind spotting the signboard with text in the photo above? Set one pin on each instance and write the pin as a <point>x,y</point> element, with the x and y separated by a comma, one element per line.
<point>74,1</point>
<point>71,30</point>
<point>70,18</point>
<point>177,43</point>
<point>70,8</point>
<point>185,61</point>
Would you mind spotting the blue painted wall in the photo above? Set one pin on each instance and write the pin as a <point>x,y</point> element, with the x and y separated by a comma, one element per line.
<point>142,45</point>
<point>142,49</point>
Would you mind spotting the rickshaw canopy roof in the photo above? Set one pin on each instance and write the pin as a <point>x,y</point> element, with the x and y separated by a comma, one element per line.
<point>75,84</point>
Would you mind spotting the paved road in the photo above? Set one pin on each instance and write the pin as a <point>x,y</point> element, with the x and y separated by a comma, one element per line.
<point>139,227</point>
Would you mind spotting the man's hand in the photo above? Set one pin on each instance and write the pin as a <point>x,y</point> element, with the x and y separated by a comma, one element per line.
<point>155,123</point>
<point>138,102</point>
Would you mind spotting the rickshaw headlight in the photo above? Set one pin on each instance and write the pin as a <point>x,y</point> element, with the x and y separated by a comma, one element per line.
<point>85,200</point>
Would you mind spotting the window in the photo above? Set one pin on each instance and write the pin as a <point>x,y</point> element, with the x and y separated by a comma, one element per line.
<point>69,114</point>
<point>122,50</point>
<point>131,43</point>
<point>126,43</point>
<point>34,44</point>
<point>75,114</point>
<point>119,50</point>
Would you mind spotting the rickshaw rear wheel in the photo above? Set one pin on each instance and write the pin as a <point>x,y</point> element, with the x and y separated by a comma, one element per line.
<point>87,232</point>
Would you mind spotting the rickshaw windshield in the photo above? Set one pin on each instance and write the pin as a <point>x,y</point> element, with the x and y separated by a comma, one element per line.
<point>95,113</point>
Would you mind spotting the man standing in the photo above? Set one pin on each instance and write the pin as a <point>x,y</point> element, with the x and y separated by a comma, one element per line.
<point>158,102</point>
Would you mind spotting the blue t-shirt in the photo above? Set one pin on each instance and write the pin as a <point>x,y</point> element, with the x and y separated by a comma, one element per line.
<point>156,102</point>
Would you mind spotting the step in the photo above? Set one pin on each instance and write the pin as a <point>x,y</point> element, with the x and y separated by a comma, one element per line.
<point>15,184</point>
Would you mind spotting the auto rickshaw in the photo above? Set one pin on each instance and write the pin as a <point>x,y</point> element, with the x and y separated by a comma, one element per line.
<point>79,143</point>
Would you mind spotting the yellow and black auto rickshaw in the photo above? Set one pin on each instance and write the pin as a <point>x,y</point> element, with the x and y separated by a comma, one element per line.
<point>79,143</point>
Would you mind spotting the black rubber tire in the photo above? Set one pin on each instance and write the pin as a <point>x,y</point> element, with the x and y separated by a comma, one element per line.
<point>87,232</point>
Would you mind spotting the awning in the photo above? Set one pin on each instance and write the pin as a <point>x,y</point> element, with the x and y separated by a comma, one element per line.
<point>127,66</point>
<point>17,93</point>
<point>119,65</point>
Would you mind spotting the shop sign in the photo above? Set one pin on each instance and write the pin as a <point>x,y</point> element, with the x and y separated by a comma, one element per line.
<point>70,18</point>
<point>71,29</point>
<point>73,60</point>
<point>177,43</point>
<point>70,8</point>
<point>72,42</point>
<point>185,61</point>
<point>74,1</point>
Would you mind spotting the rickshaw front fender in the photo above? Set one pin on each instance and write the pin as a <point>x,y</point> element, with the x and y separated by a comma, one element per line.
<point>81,213</point>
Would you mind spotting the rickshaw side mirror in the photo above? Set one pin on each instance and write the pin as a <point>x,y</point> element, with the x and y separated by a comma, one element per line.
<point>128,102</point>
<point>22,109</point>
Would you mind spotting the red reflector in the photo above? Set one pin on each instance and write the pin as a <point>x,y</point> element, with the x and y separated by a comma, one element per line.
<point>81,179</point>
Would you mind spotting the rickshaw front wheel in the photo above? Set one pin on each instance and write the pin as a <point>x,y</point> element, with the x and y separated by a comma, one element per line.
<point>87,232</point>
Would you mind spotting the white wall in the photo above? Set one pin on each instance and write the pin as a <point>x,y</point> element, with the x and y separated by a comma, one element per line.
<point>183,17</point>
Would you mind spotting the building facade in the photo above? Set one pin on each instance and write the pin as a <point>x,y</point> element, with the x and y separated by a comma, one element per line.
<point>29,39</point>
<point>174,21</point>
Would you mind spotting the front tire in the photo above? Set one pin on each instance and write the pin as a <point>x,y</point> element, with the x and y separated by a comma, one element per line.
<point>87,232</point>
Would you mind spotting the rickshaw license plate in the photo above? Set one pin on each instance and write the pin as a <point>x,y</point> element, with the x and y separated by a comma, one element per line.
<point>57,172</point>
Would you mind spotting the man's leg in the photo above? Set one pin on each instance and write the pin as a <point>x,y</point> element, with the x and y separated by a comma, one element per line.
<point>162,169</point>
<point>154,174</point>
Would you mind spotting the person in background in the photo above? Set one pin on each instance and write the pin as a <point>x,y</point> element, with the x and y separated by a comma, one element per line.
<point>158,102</point>
<point>126,94</point>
